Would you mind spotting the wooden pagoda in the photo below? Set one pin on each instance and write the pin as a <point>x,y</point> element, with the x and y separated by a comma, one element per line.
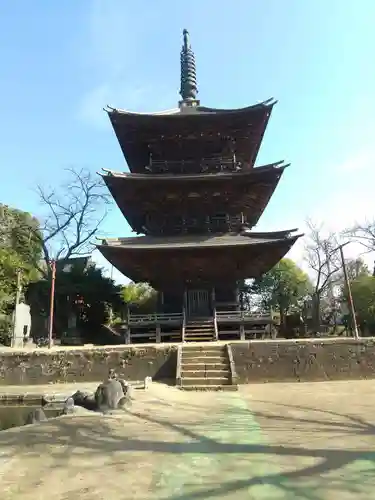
<point>194,195</point>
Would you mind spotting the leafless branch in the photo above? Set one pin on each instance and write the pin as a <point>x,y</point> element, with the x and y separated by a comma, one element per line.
<point>73,214</point>
<point>363,233</point>
<point>322,257</point>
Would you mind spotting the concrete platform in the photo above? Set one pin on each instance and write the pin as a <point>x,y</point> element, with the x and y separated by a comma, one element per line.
<point>292,441</point>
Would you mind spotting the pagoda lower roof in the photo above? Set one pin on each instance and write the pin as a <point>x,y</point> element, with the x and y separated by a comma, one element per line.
<point>171,261</point>
<point>141,133</point>
<point>228,192</point>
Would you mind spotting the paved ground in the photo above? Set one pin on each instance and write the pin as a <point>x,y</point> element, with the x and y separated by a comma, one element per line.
<point>292,441</point>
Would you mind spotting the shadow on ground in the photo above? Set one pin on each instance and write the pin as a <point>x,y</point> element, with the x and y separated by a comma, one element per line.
<point>330,472</point>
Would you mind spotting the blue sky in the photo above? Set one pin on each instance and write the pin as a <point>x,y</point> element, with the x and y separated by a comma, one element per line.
<point>61,62</point>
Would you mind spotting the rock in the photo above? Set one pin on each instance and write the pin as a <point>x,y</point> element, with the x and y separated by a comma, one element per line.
<point>79,411</point>
<point>36,416</point>
<point>110,395</point>
<point>68,406</point>
<point>84,399</point>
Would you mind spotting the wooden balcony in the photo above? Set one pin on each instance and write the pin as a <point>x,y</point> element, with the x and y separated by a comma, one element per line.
<point>170,327</point>
<point>243,317</point>
<point>155,318</point>
<point>206,165</point>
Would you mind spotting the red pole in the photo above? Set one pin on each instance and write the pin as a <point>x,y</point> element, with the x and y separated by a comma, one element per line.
<point>52,302</point>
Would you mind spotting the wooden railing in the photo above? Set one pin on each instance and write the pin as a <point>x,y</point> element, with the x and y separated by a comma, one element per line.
<point>137,319</point>
<point>188,166</point>
<point>241,316</point>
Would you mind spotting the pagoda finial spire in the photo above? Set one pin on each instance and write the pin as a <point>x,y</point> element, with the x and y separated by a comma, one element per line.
<point>189,87</point>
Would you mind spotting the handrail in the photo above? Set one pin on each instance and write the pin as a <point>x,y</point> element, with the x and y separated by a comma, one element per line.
<point>242,315</point>
<point>178,365</point>
<point>217,163</point>
<point>183,323</point>
<point>215,325</point>
<point>154,318</point>
<point>159,315</point>
<point>233,373</point>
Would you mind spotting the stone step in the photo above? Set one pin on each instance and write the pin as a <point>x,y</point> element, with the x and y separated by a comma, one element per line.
<point>217,349</point>
<point>194,365</point>
<point>199,325</point>
<point>196,319</point>
<point>209,388</point>
<point>204,373</point>
<point>205,381</point>
<point>200,329</point>
<point>199,354</point>
<point>199,333</point>
<point>199,339</point>
<point>203,354</point>
<point>205,360</point>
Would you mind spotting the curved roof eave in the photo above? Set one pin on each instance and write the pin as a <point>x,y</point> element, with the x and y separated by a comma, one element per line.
<point>199,110</point>
<point>278,167</point>
<point>147,243</point>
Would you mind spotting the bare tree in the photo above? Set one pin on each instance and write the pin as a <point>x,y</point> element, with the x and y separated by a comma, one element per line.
<point>73,213</point>
<point>355,268</point>
<point>363,234</point>
<point>324,261</point>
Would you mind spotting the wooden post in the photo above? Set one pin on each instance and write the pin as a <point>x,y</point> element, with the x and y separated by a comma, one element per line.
<point>350,298</point>
<point>158,333</point>
<point>16,302</point>
<point>242,331</point>
<point>52,303</point>
<point>213,303</point>
<point>183,316</point>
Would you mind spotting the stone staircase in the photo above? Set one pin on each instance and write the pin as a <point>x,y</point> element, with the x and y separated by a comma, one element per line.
<point>200,330</point>
<point>205,368</point>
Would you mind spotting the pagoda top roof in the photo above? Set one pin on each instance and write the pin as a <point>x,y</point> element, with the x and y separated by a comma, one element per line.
<point>185,111</point>
<point>201,241</point>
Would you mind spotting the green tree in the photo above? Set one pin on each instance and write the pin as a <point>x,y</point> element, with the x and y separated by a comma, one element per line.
<point>140,297</point>
<point>20,232</point>
<point>19,250</point>
<point>283,288</point>
<point>363,293</point>
<point>85,292</point>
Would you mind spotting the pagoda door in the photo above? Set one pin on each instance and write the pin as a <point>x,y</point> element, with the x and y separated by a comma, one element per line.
<point>198,303</point>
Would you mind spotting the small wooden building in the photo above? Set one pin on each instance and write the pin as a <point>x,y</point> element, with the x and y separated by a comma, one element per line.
<point>194,195</point>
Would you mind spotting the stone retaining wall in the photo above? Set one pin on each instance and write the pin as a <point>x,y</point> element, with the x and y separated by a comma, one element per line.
<point>87,364</point>
<point>257,361</point>
<point>304,360</point>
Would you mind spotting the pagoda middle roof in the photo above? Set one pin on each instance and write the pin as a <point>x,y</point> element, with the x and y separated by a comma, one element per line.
<point>248,192</point>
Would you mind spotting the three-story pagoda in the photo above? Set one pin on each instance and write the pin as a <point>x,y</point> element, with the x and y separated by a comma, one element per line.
<point>194,195</point>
